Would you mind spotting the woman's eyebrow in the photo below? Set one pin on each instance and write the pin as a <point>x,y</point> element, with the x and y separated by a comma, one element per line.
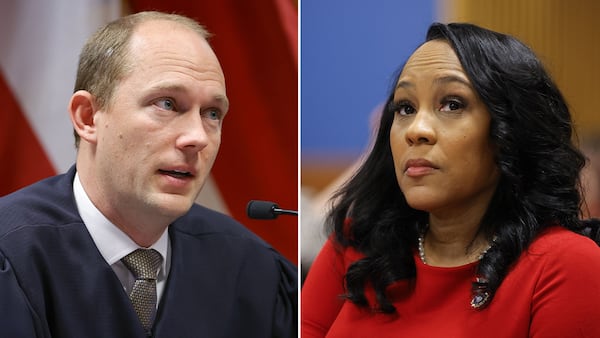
<point>452,78</point>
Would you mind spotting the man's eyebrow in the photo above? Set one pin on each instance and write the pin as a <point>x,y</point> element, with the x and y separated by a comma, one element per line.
<point>168,87</point>
<point>223,100</point>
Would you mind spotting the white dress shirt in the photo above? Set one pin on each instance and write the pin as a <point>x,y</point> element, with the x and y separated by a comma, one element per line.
<point>114,244</point>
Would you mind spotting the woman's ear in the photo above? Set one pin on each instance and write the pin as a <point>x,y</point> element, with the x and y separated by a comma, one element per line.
<point>82,109</point>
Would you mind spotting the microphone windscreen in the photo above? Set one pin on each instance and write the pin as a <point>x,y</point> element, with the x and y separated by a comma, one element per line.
<point>261,210</point>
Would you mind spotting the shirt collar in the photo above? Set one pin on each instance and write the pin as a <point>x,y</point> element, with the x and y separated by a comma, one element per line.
<point>111,241</point>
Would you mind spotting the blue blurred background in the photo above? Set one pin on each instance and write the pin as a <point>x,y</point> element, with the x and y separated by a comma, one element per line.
<point>349,53</point>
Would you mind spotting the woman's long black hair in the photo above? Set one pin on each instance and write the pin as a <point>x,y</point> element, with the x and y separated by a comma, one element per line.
<point>531,129</point>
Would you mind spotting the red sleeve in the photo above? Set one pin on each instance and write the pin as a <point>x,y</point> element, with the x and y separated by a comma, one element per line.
<point>320,295</point>
<point>566,300</point>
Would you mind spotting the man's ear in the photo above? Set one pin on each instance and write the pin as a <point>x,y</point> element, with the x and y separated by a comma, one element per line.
<point>82,109</point>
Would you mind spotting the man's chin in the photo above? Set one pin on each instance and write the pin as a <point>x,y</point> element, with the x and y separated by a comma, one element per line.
<point>173,205</point>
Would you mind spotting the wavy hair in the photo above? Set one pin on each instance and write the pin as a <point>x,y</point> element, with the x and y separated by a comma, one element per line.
<point>539,165</point>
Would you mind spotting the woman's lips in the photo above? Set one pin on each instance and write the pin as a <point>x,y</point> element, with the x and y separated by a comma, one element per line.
<point>418,167</point>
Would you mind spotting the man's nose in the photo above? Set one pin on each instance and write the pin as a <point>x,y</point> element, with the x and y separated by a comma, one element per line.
<point>193,136</point>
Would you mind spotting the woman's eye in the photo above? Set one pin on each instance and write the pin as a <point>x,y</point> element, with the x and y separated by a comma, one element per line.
<point>451,105</point>
<point>406,110</point>
<point>166,104</point>
<point>402,108</point>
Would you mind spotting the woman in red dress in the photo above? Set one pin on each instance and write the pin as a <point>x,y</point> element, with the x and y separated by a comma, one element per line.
<point>463,221</point>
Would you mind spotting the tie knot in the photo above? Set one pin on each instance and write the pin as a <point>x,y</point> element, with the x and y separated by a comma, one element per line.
<point>143,263</point>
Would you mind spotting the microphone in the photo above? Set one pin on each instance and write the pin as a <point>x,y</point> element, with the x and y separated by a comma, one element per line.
<point>266,210</point>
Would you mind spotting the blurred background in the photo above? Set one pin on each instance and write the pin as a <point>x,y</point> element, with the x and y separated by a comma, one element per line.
<point>257,45</point>
<point>351,49</point>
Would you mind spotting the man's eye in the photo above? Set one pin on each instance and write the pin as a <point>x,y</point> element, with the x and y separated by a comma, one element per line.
<point>166,104</point>
<point>213,114</point>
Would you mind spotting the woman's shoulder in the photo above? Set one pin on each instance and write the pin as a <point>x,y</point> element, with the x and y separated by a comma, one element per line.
<point>561,246</point>
<point>558,237</point>
<point>562,269</point>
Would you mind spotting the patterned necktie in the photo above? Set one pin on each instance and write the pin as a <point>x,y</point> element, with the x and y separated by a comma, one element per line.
<point>144,264</point>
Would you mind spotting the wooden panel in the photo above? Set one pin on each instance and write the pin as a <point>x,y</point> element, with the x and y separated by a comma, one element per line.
<point>318,174</point>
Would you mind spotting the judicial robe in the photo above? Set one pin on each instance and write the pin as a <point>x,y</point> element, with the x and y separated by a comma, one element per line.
<point>223,282</point>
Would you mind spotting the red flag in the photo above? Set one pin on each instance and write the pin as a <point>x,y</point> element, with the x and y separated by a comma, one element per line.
<point>23,158</point>
<point>38,60</point>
